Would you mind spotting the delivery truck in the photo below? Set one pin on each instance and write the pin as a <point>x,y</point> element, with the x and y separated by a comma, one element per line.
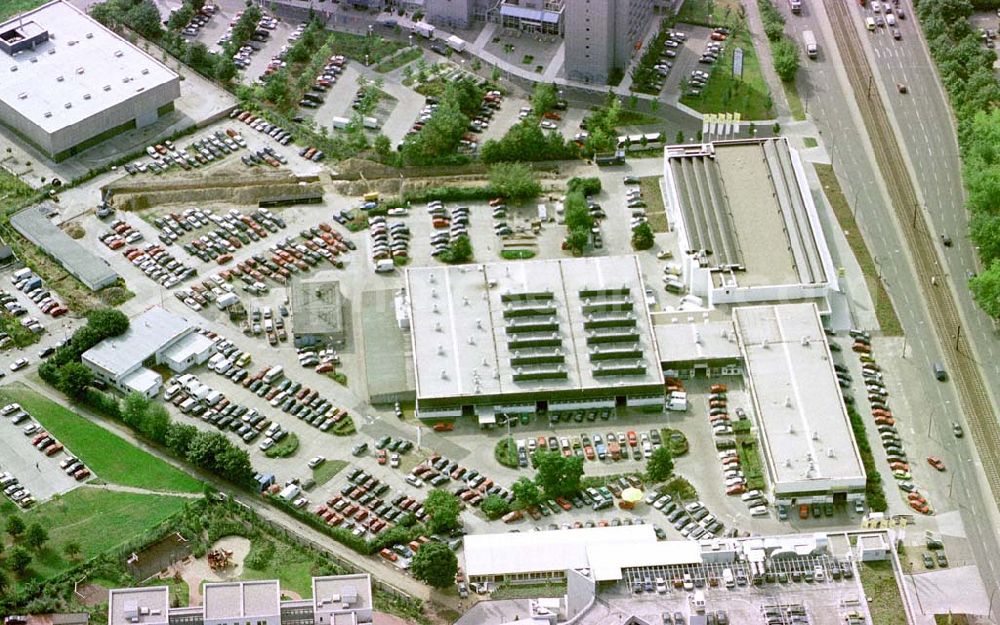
<point>810,41</point>
<point>424,30</point>
<point>456,43</point>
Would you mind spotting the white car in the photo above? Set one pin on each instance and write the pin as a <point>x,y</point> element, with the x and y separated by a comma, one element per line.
<point>758,511</point>
<point>548,125</point>
<point>315,462</point>
<point>266,444</point>
<point>19,364</point>
<point>414,481</point>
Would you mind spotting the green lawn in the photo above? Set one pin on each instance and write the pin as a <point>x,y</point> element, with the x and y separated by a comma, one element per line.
<point>795,106</point>
<point>709,12</point>
<point>724,93</point>
<point>880,585</point>
<point>97,519</point>
<point>884,310</point>
<point>288,564</point>
<point>9,8</point>
<point>108,456</point>
<point>656,212</point>
<point>325,472</point>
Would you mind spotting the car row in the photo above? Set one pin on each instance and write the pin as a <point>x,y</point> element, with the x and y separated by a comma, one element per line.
<point>198,20</point>
<point>158,264</point>
<point>261,33</point>
<point>448,226</point>
<point>120,234</point>
<point>31,285</point>
<point>291,397</point>
<point>389,240</point>
<point>262,126</point>
<point>199,400</point>
<point>320,360</point>
<point>439,470</point>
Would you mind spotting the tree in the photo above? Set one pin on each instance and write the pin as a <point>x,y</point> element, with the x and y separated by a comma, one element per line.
<point>144,18</point>
<point>74,379</point>
<point>4,582</point>
<point>156,423</point>
<point>382,145</point>
<point>435,564</point>
<point>577,240</point>
<point>107,322</point>
<point>245,26</point>
<point>642,237</point>
<point>525,491</point>
<point>494,506</point>
<point>180,17</point>
<point>986,289</point>
<point>18,560</point>
<point>557,475</point>
<point>586,186</point>
<point>544,98</point>
<point>178,438</point>
<point>660,465</point>
<point>206,448</point>
<point>515,181</point>
<point>786,59</point>
<point>36,536</point>
<point>459,251</point>
<point>72,550</point>
<point>15,526</point>
<point>225,69</point>
<point>134,412</point>
<point>198,57</point>
<point>234,464</point>
<point>442,509</point>
<point>578,216</point>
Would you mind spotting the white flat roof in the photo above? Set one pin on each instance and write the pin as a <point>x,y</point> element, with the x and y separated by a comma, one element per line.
<point>687,341</point>
<point>460,337</point>
<point>83,64</point>
<point>556,550</point>
<point>804,429</point>
<point>146,334</point>
<point>191,345</point>
<point>138,606</point>
<point>607,560</point>
<point>242,600</point>
<point>142,380</point>
<point>353,590</point>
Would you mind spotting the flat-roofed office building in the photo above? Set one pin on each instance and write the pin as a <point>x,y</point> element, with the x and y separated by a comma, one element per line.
<point>70,83</point>
<point>519,338</point>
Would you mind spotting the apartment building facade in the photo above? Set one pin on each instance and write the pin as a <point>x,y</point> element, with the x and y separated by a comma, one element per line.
<point>603,35</point>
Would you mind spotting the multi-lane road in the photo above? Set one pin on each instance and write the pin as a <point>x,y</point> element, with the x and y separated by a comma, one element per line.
<point>926,137</point>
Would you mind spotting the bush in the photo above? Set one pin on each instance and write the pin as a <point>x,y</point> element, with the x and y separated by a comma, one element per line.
<point>586,186</point>
<point>642,237</point>
<point>515,181</point>
<point>774,22</point>
<point>494,507</point>
<point>786,59</point>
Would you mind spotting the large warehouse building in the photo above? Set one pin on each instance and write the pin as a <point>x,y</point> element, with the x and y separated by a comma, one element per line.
<point>69,83</point>
<point>809,449</point>
<point>547,335</point>
<point>746,223</point>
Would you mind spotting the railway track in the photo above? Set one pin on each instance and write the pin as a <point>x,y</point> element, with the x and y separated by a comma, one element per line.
<point>973,396</point>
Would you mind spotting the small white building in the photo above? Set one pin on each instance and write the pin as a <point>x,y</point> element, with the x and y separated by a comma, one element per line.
<point>154,337</point>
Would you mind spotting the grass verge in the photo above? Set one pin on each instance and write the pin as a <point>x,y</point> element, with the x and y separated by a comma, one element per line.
<point>108,456</point>
<point>675,440</point>
<point>325,472</point>
<point>882,591</point>
<point>656,212</point>
<point>724,93</point>
<point>874,493</point>
<point>810,142</point>
<point>98,520</point>
<point>506,453</point>
<point>795,105</point>
<point>20,335</point>
<point>680,489</point>
<point>287,447</point>
<point>399,60</point>
<point>750,462</point>
<point>529,591</point>
<point>284,562</point>
<point>517,254</point>
<point>884,310</point>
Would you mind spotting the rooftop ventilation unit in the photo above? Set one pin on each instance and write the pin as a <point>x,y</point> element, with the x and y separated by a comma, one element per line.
<point>145,71</point>
<point>13,68</point>
<point>73,42</point>
<point>59,79</point>
<point>107,87</point>
<point>86,96</point>
<point>52,51</point>
<point>119,54</point>
<point>22,96</point>
<point>140,89</point>
<point>47,114</point>
<point>79,70</point>
<point>34,59</point>
<point>90,35</point>
<point>69,105</point>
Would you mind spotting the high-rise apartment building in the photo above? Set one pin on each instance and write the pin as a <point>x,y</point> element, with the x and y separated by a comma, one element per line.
<point>602,35</point>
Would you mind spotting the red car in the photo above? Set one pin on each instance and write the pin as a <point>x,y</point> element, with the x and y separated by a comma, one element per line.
<point>935,462</point>
<point>565,505</point>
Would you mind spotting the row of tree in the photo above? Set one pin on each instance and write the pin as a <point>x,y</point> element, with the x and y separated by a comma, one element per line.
<point>437,142</point>
<point>27,539</point>
<point>966,70</point>
<point>784,51</point>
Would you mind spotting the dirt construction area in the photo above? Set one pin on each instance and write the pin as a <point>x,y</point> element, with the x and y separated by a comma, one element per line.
<point>194,571</point>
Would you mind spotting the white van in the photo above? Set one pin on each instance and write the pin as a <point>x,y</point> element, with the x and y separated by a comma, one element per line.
<point>273,374</point>
<point>20,274</point>
<point>870,23</point>
<point>727,577</point>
